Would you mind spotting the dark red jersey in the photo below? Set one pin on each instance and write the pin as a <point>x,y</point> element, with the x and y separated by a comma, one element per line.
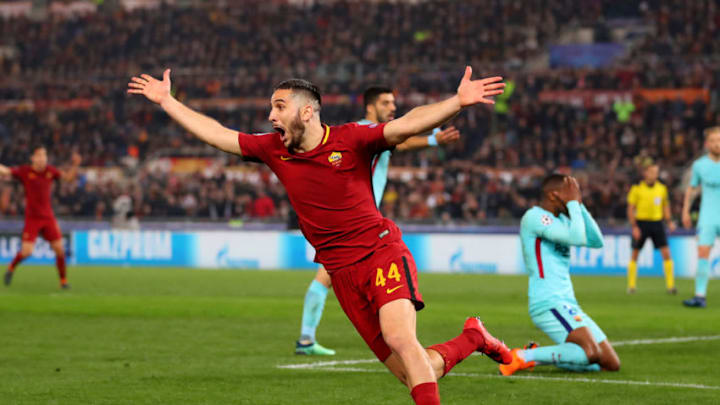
<point>38,186</point>
<point>330,188</point>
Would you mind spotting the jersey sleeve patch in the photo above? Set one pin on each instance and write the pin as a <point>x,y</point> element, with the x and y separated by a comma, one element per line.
<point>546,220</point>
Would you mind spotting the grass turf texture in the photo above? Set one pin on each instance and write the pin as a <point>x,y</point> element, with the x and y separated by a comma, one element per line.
<point>141,335</point>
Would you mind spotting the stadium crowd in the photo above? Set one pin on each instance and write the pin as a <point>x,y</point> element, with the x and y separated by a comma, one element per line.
<point>219,53</point>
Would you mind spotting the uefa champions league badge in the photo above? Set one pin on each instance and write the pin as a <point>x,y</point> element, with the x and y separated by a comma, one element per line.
<point>546,220</point>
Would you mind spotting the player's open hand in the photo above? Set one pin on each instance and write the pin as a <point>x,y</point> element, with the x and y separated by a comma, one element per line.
<point>447,136</point>
<point>155,90</point>
<point>471,92</point>
<point>570,191</point>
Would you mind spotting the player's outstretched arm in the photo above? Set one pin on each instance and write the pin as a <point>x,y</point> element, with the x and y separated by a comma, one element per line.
<point>446,136</point>
<point>202,126</point>
<point>425,118</point>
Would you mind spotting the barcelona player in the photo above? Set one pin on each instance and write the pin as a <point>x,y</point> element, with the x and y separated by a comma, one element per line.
<point>546,234</point>
<point>379,102</point>
<point>325,171</point>
<point>37,178</point>
<point>705,179</point>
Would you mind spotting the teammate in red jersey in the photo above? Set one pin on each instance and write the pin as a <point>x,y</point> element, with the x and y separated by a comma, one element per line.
<point>326,171</point>
<point>37,179</point>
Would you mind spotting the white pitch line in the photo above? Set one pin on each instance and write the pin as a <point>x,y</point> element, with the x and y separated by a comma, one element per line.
<point>330,366</point>
<point>541,378</point>
<point>321,364</point>
<point>665,340</point>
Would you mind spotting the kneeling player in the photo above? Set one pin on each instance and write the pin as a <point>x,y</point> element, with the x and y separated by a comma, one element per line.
<point>547,232</point>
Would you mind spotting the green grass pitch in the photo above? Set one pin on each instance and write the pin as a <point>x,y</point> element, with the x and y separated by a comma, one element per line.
<point>177,336</point>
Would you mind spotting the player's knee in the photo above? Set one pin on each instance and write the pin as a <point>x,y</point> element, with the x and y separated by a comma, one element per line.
<point>612,364</point>
<point>592,351</point>
<point>400,343</point>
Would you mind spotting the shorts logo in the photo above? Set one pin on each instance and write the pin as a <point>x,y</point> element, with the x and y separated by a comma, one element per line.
<point>578,318</point>
<point>392,290</point>
<point>546,220</point>
<point>335,159</point>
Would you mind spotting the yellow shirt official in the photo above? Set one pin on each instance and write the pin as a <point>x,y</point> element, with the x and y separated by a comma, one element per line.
<point>649,201</point>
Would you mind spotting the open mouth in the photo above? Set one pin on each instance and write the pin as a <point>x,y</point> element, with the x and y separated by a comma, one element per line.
<point>280,131</point>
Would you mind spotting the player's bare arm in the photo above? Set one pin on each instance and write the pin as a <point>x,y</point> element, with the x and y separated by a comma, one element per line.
<point>667,214</point>
<point>690,194</point>
<point>205,128</point>
<point>425,118</point>
<point>636,233</point>
<point>71,172</point>
<point>446,136</point>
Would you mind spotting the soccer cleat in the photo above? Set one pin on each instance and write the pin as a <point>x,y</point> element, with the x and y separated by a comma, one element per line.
<point>492,347</point>
<point>517,363</point>
<point>695,302</point>
<point>313,349</point>
<point>8,277</point>
<point>672,291</point>
<point>65,286</point>
<point>631,290</point>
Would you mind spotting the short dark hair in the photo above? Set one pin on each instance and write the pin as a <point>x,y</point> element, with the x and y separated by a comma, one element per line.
<point>372,93</point>
<point>552,182</point>
<point>301,86</point>
<point>709,131</point>
<point>35,147</point>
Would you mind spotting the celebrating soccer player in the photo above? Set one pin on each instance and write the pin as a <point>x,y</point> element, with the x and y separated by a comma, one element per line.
<point>380,108</point>
<point>705,179</point>
<point>37,179</point>
<point>648,205</point>
<point>325,171</point>
<point>546,233</point>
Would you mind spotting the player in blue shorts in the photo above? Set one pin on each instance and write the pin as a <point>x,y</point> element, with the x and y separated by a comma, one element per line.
<point>546,233</point>
<point>705,179</point>
<point>379,108</point>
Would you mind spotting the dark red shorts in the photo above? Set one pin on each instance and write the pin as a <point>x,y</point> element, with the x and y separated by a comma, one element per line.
<point>387,275</point>
<point>48,228</point>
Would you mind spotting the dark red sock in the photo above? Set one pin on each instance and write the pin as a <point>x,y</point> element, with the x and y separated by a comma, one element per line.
<point>18,258</point>
<point>456,350</point>
<point>426,394</point>
<point>60,263</point>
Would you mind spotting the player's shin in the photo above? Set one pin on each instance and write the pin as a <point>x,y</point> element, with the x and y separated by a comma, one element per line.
<point>60,263</point>
<point>632,276</point>
<point>426,394</point>
<point>16,261</point>
<point>567,353</point>
<point>312,311</point>
<point>702,276</point>
<point>669,274</point>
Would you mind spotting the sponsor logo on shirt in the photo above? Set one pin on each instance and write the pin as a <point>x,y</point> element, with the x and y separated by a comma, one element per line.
<point>335,159</point>
<point>48,175</point>
<point>31,175</point>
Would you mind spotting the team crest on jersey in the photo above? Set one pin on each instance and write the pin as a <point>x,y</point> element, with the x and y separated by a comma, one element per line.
<point>546,220</point>
<point>658,201</point>
<point>335,159</point>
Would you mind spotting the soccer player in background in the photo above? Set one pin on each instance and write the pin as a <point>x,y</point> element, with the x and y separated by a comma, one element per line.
<point>37,179</point>
<point>380,108</point>
<point>325,171</point>
<point>648,205</point>
<point>705,179</point>
<point>547,232</point>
